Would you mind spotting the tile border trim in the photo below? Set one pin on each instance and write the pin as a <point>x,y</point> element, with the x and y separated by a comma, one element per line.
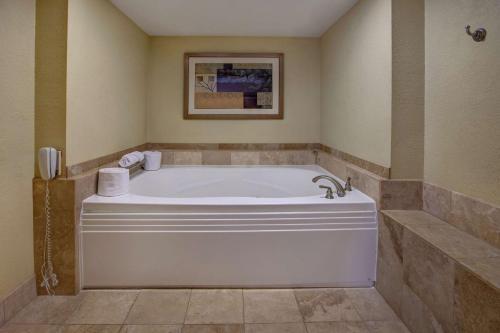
<point>379,170</point>
<point>106,160</point>
<point>234,146</point>
<point>80,168</point>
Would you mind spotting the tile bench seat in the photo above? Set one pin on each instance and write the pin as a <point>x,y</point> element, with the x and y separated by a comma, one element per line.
<point>436,277</point>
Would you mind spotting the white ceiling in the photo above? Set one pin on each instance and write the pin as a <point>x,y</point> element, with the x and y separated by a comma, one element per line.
<point>293,18</point>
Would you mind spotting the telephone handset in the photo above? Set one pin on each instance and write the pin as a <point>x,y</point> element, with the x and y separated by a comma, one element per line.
<point>49,162</point>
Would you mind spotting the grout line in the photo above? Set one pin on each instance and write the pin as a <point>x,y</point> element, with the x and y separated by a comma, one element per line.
<point>131,306</point>
<point>243,309</point>
<point>187,308</point>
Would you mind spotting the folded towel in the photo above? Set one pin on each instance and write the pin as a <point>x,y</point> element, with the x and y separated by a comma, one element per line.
<point>131,158</point>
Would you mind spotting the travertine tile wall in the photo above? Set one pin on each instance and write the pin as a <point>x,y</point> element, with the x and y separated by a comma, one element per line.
<point>401,194</point>
<point>387,193</point>
<point>366,181</point>
<point>218,157</point>
<point>436,277</point>
<point>66,195</point>
<point>471,215</point>
<point>62,202</point>
<point>80,168</point>
<point>379,170</point>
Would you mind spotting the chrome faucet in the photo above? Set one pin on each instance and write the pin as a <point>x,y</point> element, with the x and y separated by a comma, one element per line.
<point>338,186</point>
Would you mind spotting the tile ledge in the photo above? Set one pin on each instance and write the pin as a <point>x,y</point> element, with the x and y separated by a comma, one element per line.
<point>486,268</point>
<point>413,217</point>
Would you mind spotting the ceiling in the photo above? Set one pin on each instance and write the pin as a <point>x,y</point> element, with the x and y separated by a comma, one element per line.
<point>291,18</point>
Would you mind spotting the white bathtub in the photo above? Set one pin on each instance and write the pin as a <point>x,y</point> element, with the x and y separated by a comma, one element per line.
<point>203,226</point>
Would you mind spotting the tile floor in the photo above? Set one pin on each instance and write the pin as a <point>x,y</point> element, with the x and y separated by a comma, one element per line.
<point>210,311</point>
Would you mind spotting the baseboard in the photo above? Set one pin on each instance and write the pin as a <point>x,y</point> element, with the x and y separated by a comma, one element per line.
<point>17,300</point>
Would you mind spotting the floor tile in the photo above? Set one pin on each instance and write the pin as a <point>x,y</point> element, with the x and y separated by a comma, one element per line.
<point>213,329</point>
<point>326,305</point>
<point>337,327</point>
<point>215,306</point>
<point>275,328</point>
<point>370,305</point>
<point>91,329</point>
<point>386,327</point>
<point>151,329</point>
<point>103,307</point>
<point>2,313</point>
<point>270,306</point>
<point>48,310</point>
<point>159,307</point>
<point>23,328</point>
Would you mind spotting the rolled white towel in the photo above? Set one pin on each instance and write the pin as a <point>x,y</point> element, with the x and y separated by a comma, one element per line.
<point>113,182</point>
<point>152,160</point>
<point>131,158</point>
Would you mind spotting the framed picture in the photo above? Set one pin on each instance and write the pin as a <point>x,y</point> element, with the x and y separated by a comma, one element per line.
<point>233,86</point>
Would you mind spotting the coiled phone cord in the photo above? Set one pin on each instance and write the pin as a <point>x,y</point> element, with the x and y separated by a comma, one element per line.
<point>49,278</point>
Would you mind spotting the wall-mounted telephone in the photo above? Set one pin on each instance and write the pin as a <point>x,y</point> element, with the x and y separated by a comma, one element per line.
<point>49,162</point>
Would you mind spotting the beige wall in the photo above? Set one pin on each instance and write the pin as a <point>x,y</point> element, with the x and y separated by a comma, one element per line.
<point>17,77</point>
<point>408,87</point>
<point>50,74</point>
<point>356,82</point>
<point>107,68</point>
<point>462,104</point>
<point>165,99</point>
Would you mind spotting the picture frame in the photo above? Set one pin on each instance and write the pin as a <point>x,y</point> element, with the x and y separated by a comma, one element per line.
<point>233,86</point>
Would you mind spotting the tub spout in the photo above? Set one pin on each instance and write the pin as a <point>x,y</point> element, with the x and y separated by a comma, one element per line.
<point>338,186</point>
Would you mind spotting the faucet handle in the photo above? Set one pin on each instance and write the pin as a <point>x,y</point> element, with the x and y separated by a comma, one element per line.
<point>348,186</point>
<point>329,192</point>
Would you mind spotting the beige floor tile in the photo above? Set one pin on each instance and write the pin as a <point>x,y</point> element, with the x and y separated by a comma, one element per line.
<point>159,307</point>
<point>151,329</point>
<point>270,306</point>
<point>337,327</point>
<point>23,328</point>
<point>370,305</point>
<point>103,307</point>
<point>48,310</point>
<point>386,327</point>
<point>326,305</point>
<point>215,306</point>
<point>213,328</point>
<point>91,329</point>
<point>275,328</point>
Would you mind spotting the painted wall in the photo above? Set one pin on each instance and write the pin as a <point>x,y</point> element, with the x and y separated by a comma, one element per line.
<point>408,89</point>
<point>17,80</point>
<point>106,91</point>
<point>302,91</point>
<point>462,100</point>
<point>356,82</point>
<point>50,75</point>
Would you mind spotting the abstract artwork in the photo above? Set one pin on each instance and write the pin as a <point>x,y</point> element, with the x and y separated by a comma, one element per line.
<point>233,86</point>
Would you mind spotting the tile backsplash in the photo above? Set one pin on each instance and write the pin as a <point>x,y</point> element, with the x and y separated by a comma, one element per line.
<point>476,217</point>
